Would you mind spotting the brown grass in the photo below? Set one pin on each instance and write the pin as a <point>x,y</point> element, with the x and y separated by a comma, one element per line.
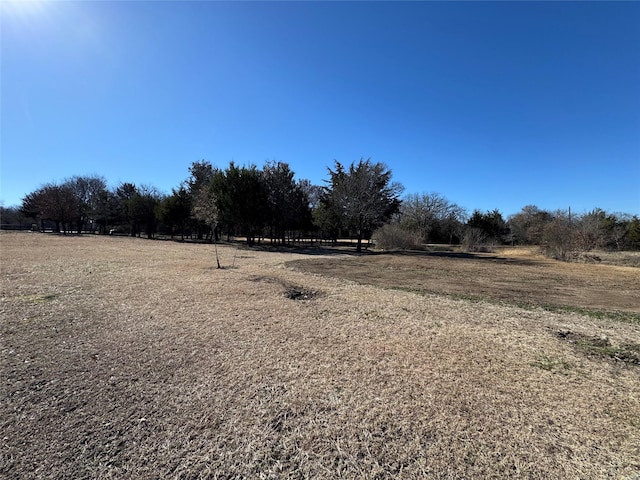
<point>126,358</point>
<point>519,276</point>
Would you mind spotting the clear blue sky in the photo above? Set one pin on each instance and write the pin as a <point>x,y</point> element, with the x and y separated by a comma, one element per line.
<point>493,105</point>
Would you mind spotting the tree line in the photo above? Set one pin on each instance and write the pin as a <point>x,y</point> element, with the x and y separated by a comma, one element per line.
<point>431,218</point>
<point>268,204</point>
<point>256,203</point>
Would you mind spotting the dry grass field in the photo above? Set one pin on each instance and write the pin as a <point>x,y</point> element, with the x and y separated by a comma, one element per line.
<point>519,276</point>
<point>128,358</point>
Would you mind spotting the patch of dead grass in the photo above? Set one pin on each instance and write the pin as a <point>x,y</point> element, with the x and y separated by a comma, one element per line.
<point>516,276</point>
<point>147,363</point>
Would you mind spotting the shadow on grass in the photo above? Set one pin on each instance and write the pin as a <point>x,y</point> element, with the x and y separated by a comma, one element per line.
<point>481,257</point>
<point>350,250</point>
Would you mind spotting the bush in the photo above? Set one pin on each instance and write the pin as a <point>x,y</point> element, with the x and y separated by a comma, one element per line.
<point>559,240</point>
<point>393,237</point>
<point>475,240</point>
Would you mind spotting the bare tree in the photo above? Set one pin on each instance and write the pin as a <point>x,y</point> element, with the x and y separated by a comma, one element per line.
<point>90,192</point>
<point>528,225</point>
<point>53,202</point>
<point>203,205</point>
<point>434,217</point>
<point>205,209</point>
<point>558,238</point>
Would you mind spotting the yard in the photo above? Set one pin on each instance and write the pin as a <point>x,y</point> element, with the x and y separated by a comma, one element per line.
<point>129,358</point>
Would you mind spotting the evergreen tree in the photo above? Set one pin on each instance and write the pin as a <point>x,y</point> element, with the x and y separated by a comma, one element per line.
<point>362,197</point>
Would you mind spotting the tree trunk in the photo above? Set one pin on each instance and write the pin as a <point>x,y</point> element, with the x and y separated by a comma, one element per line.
<point>360,228</point>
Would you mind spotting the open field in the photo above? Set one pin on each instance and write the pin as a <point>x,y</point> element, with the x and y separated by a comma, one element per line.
<point>518,276</point>
<point>128,358</point>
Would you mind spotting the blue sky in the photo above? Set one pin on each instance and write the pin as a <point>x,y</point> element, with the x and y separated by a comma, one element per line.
<point>492,104</point>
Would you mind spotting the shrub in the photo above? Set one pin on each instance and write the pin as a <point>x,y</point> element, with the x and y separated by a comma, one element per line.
<point>559,239</point>
<point>475,240</point>
<point>393,237</point>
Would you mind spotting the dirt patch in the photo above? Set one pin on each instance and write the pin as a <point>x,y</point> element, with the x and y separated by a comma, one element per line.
<point>299,293</point>
<point>292,292</point>
<point>602,347</point>
<point>516,277</point>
